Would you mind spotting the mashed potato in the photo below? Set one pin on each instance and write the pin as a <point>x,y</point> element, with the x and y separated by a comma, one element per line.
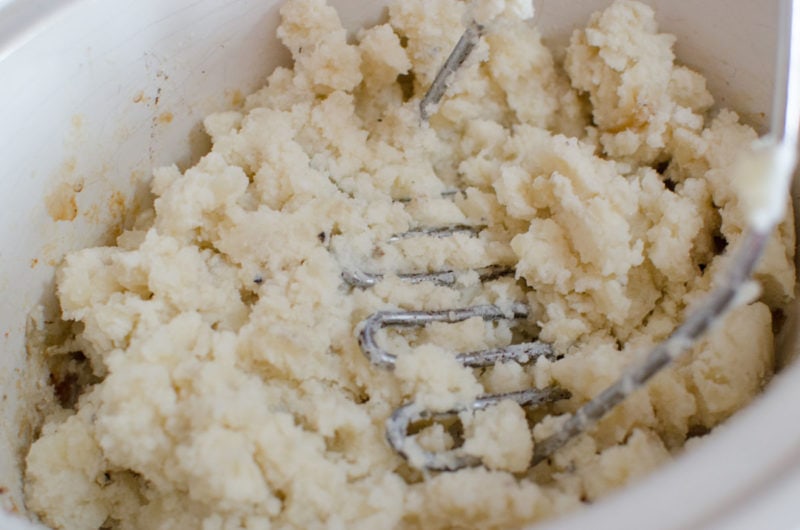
<point>221,381</point>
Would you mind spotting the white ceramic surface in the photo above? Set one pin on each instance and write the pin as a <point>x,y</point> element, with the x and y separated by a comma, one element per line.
<point>95,93</point>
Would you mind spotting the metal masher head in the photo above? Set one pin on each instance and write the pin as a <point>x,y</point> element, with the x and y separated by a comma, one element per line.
<point>398,425</point>
<point>410,413</point>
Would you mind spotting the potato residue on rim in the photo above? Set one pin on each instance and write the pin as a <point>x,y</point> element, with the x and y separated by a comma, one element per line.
<point>61,202</point>
<point>223,385</point>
